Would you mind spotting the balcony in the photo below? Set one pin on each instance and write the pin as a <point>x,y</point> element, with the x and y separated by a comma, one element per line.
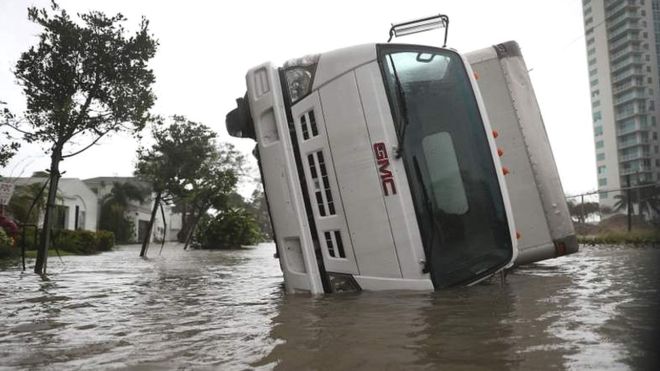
<point>634,156</point>
<point>630,38</point>
<point>635,170</point>
<point>633,60</point>
<point>628,74</point>
<point>627,97</point>
<point>630,49</point>
<point>631,27</point>
<point>632,143</point>
<point>631,15</point>
<point>632,129</point>
<point>629,114</point>
<point>616,8</point>
<point>629,85</point>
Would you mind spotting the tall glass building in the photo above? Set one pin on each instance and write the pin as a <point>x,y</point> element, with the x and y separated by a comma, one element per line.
<point>623,53</point>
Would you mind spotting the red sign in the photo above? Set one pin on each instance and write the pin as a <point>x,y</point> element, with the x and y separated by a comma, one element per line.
<point>386,177</point>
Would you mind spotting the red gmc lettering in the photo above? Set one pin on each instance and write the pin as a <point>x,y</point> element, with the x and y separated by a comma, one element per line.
<point>386,177</point>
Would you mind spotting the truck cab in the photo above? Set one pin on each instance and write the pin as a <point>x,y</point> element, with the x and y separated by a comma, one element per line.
<point>380,169</point>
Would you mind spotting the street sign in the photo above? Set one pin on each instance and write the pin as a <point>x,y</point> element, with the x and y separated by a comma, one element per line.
<point>6,190</point>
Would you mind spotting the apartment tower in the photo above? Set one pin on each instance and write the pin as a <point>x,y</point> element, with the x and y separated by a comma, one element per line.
<point>623,53</point>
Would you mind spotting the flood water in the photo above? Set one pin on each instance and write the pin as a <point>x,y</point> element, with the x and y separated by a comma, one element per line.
<point>227,310</point>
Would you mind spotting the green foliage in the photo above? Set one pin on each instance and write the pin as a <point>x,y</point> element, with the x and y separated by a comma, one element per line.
<point>7,149</point>
<point>7,248</point>
<point>230,229</point>
<point>175,160</point>
<point>23,197</point>
<point>646,199</point>
<point>180,165</point>
<point>83,242</point>
<point>258,207</point>
<point>213,187</point>
<point>85,77</point>
<point>106,240</point>
<point>113,210</point>
<point>641,237</point>
<point>113,218</point>
<point>31,239</point>
<point>581,211</point>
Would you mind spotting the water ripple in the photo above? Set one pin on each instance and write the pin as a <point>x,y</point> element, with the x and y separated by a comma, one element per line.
<point>227,310</point>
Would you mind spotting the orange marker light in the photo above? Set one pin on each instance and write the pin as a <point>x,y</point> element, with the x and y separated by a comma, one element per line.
<point>495,134</point>
<point>476,75</point>
<point>505,170</point>
<point>518,235</point>
<point>500,152</point>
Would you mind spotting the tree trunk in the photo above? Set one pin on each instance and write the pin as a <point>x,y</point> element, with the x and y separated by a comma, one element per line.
<point>192,229</point>
<point>147,236</point>
<point>42,251</point>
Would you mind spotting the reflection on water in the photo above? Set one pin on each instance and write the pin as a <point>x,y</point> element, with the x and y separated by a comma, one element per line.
<point>227,310</point>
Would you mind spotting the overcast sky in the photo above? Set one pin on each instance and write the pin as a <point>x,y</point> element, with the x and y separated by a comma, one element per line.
<point>206,47</point>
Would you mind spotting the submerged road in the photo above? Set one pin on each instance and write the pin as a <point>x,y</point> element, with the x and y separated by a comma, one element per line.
<point>597,309</point>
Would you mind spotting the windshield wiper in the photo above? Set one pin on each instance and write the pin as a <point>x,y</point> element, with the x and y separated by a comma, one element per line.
<point>403,112</point>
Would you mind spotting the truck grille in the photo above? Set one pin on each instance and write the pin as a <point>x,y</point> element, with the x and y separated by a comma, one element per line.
<point>322,191</point>
<point>335,245</point>
<point>308,125</point>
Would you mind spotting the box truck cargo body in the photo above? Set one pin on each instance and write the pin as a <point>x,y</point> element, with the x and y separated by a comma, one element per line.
<point>537,198</point>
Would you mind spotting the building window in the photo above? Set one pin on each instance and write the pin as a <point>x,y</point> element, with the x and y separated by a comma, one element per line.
<point>602,169</point>
<point>597,116</point>
<point>602,182</point>
<point>595,104</point>
<point>598,130</point>
<point>602,195</point>
<point>599,144</point>
<point>600,156</point>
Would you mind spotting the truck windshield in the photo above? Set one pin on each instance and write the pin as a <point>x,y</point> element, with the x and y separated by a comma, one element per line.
<point>448,162</point>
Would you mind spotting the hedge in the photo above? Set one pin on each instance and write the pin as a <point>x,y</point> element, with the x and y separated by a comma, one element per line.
<point>76,242</point>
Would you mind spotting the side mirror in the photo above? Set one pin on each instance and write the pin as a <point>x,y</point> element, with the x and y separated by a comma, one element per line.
<point>239,121</point>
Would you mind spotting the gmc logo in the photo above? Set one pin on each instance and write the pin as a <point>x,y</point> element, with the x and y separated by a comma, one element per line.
<point>386,178</point>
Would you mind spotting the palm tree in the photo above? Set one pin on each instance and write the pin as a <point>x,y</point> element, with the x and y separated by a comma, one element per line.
<point>113,209</point>
<point>26,196</point>
<point>646,196</point>
<point>649,199</point>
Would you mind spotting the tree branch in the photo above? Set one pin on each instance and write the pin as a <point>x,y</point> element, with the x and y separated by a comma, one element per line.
<point>16,128</point>
<point>88,147</point>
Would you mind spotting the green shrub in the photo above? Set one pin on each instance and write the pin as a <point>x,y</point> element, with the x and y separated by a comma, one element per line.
<point>77,242</point>
<point>106,240</point>
<point>7,250</point>
<point>640,237</point>
<point>227,230</point>
<point>31,238</point>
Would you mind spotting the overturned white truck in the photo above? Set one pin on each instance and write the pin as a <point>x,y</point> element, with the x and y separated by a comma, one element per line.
<point>381,170</point>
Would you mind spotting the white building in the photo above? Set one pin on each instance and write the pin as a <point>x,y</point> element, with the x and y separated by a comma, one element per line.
<point>139,213</point>
<point>77,205</point>
<point>623,53</point>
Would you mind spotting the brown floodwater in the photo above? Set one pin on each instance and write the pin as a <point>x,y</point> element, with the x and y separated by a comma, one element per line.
<point>227,310</point>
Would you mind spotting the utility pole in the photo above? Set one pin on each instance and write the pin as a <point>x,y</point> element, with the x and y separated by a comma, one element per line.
<point>629,202</point>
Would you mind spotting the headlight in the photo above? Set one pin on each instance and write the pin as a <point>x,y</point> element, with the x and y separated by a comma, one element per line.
<point>299,75</point>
